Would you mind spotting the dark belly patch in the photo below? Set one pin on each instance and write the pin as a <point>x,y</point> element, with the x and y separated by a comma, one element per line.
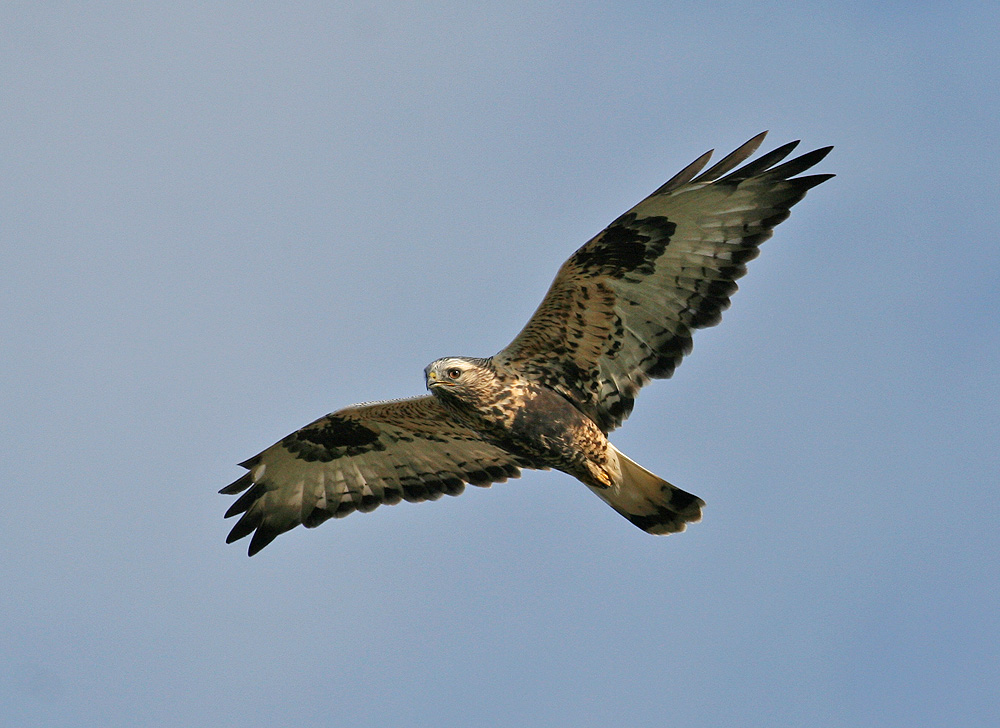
<point>548,427</point>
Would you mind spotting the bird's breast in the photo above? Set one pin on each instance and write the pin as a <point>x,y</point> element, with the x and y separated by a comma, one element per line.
<point>545,414</point>
<point>543,426</point>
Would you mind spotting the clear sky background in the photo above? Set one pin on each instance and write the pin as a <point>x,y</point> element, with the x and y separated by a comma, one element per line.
<point>220,221</point>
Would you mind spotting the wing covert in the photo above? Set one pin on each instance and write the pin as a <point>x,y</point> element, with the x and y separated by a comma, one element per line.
<point>356,459</point>
<point>622,309</point>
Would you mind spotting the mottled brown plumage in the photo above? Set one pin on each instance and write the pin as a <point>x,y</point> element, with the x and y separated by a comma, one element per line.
<point>620,312</point>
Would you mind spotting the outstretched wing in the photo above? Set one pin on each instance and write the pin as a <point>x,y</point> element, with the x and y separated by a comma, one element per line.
<point>622,309</point>
<point>357,459</point>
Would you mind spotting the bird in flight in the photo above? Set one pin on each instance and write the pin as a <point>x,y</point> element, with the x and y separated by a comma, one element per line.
<point>620,312</point>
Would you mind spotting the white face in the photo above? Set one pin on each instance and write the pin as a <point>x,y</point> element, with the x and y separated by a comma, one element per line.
<point>447,373</point>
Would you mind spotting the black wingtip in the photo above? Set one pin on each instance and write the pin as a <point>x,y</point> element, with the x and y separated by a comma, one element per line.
<point>685,175</point>
<point>812,180</point>
<point>261,538</point>
<point>243,528</point>
<point>799,164</point>
<point>238,486</point>
<point>761,164</point>
<point>733,159</point>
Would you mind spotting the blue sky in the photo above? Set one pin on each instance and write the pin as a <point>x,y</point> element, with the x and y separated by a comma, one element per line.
<point>219,223</point>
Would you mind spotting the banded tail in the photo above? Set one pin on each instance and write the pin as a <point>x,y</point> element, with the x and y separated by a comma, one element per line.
<point>648,501</point>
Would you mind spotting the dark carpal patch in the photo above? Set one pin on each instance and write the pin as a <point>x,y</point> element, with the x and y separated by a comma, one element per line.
<point>629,245</point>
<point>332,438</point>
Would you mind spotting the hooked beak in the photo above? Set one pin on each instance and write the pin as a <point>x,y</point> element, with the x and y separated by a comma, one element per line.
<point>432,379</point>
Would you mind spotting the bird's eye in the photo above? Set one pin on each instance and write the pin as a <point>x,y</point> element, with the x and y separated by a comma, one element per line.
<point>454,373</point>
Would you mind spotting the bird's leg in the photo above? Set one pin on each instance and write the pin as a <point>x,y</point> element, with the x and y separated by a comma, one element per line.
<point>596,476</point>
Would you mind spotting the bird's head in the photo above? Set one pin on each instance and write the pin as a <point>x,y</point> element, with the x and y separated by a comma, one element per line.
<point>459,377</point>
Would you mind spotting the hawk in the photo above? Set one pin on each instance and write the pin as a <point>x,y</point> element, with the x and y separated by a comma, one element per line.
<point>620,312</point>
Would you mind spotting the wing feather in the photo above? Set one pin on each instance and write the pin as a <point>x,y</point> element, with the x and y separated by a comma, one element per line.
<point>733,159</point>
<point>685,175</point>
<point>622,309</point>
<point>357,459</point>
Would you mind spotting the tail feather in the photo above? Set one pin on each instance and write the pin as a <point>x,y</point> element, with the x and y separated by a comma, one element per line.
<point>648,501</point>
